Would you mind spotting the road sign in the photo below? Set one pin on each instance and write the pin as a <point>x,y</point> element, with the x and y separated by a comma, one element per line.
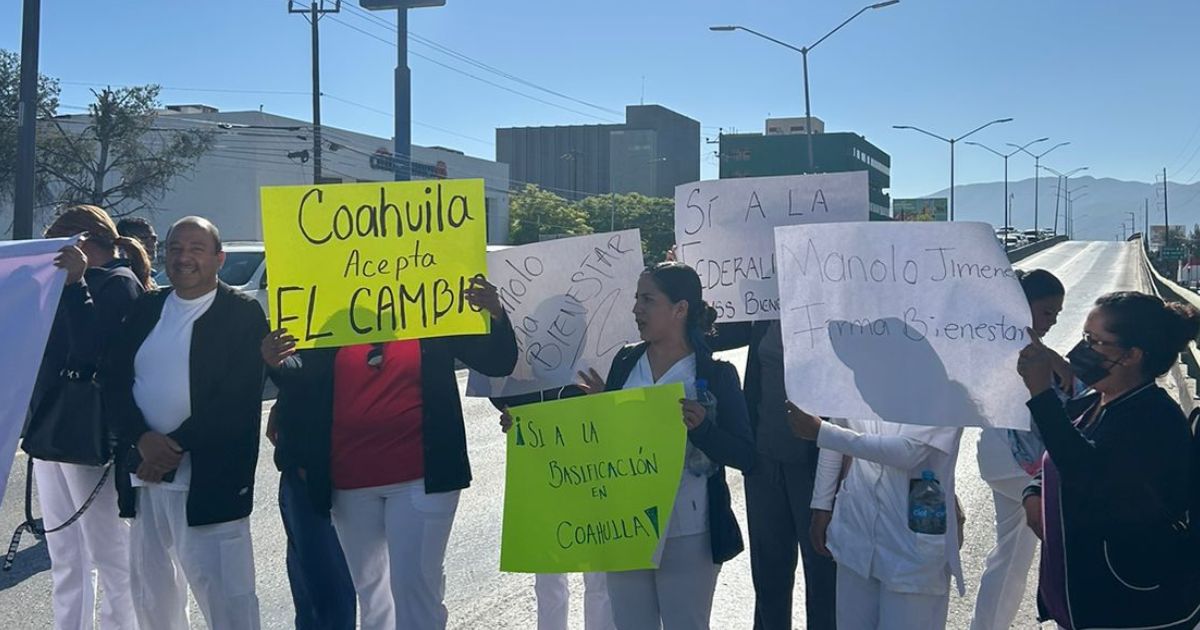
<point>1172,253</point>
<point>399,4</point>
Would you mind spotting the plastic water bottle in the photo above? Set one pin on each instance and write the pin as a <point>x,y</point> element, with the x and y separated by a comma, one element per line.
<point>695,461</point>
<point>926,505</point>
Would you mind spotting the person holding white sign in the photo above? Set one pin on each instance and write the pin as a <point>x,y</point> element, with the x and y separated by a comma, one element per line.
<point>673,321</point>
<point>100,291</point>
<point>893,529</point>
<point>1008,460</point>
<point>1118,481</point>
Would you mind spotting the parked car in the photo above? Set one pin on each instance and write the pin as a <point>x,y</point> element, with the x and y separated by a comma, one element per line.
<point>245,269</point>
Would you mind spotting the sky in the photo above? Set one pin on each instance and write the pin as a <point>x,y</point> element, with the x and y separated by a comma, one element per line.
<point>1115,78</point>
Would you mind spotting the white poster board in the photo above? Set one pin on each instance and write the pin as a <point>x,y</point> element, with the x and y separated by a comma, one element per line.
<point>725,229</point>
<point>919,323</point>
<point>30,287</point>
<point>569,301</point>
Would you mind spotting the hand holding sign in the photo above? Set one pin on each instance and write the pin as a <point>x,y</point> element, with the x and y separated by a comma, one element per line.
<point>277,347</point>
<point>804,425</point>
<point>591,382</point>
<point>483,296</point>
<point>1036,366</point>
<point>74,261</point>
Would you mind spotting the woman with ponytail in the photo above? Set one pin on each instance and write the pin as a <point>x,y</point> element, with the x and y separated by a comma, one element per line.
<point>1115,488</point>
<point>101,287</point>
<point>674,323</point>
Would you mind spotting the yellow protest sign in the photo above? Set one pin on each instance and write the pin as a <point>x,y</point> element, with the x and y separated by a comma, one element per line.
<point>591,481</point>
<point>374,262</point>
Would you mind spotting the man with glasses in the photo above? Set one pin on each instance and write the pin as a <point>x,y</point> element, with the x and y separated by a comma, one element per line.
<point>184,391</point>
<point>140,230</point>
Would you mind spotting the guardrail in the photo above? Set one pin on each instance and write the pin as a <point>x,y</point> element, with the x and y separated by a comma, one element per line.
<point>1024,252</point>
<point>1171,291</point>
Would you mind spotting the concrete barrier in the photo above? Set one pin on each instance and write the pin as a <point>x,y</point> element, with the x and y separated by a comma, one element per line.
<point>1185,383</point>
<point>1024,252</point>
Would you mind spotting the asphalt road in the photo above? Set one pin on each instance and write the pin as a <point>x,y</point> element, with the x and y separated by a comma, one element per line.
<point>479,596</point>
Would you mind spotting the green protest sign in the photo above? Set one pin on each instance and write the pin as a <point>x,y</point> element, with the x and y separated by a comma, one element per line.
<point>591,481</point>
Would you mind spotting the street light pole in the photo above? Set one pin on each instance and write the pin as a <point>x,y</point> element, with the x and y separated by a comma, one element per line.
<point>1007,204</point>
<point>1037,163</point>
<point>952,142</point>
<point>804,57</point>
<point>1066,187</point>
<point>402,132</point>
<point>26,172</point>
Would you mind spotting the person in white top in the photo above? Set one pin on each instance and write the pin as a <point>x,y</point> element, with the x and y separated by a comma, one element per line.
<point>1008,462</point>
<point>186,397</point>
<point>702,533</point>
<point>889,576</point>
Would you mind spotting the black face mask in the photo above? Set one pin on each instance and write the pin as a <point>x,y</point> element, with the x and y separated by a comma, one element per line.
<point>1089,366</point>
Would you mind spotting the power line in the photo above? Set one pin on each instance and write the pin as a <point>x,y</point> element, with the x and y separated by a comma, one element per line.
<point>467,74</point>
<point>193,89</point>
<point>419,124</point>
<point>363,13</point>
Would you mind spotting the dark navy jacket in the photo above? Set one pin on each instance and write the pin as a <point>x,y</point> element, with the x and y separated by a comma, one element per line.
<point>727,442</point>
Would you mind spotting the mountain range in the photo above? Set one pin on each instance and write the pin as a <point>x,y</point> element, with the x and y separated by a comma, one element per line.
<point>1100,206</point>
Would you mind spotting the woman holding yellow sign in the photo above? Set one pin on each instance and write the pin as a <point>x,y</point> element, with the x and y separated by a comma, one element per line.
<point>673,321</point>
<point>385,448</point>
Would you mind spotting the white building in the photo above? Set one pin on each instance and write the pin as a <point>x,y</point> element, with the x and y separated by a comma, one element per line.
<point>793,125</point>
<point>255,149</point>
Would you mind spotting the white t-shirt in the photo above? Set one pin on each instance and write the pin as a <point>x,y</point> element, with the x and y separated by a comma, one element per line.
<point>869,533</point>
<point>690,514</point>
<point>162,375</point>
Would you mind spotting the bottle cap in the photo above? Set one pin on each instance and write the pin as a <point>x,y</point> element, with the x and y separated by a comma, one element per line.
<point>702,384</point>
<point>927,475</point>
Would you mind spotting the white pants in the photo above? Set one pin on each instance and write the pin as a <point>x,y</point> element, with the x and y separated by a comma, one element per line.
<point>1002,586</point>
<point>864,604</point>
<point>217,561</point>
<point>394,538</point>
<point>676,596</point>
<point>97,543</point>
<point>554,599</point>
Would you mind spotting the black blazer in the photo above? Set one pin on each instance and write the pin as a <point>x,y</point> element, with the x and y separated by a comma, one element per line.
<point>89,315</point>
<point>741,334</point>
<point>727,442</point>
<point>305,423</point>
<point>226,389</point>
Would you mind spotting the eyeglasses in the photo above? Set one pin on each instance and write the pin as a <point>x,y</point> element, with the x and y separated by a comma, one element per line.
<point>1092,342</point>
<point>375,356</point>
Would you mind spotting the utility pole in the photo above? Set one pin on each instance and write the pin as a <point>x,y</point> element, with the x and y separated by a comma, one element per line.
<point>26,171</point>
<point>1057,195</point>
<point>313,13</point>
<point>1146,222</point>
<point>1166,215</point>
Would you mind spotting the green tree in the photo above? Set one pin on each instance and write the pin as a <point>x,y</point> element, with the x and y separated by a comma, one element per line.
<point>47,99</point>
<point>117,158</point>
<point>536,214</point>
<point>654,216</point>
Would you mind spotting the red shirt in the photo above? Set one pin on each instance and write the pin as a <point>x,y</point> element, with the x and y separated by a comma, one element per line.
<point>377,417</point>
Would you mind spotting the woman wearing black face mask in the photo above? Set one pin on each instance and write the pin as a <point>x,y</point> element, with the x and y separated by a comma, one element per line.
<point>1114,497</point>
